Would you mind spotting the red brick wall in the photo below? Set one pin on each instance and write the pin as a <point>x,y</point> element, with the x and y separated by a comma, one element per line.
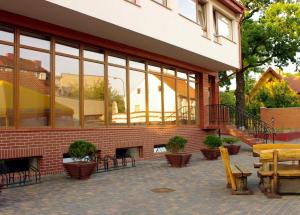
<point>51,144</point>
<point>285,118</point>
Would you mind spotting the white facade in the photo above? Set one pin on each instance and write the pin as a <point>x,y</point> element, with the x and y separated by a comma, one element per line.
<point>147,26</point>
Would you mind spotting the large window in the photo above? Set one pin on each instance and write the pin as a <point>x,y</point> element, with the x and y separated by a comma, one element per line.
<point>34,91</point>
<point>93,88</point>
<point>194,10</point>
<point>117,95</point>
<point>67,88</point>
<point>62,84</point>
<point>223,26</point>
<point>6,78</point>
<point>137,97</point>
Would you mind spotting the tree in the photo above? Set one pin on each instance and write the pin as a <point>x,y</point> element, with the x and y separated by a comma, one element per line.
<point>227,98</point>
<point>270,33</point>
<point>274,95</point>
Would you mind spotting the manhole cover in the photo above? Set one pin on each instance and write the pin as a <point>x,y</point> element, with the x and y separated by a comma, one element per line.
<point>162,190</point>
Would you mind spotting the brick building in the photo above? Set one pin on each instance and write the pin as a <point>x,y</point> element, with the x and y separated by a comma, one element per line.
<point>67,69</point>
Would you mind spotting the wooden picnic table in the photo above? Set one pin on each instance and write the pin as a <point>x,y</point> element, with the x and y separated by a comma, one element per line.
<point>277,173</point>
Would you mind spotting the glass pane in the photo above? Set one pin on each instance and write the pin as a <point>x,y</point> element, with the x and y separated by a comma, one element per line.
<point>6,36</point>
<point>66,92</point>
<point>117,60</point>
<point>169,100</point>
<point>117,95</point>
<point>137,65</point>
<point>182,98</point>
<point>6,86</point>
<point>224,27</point>
<point>137,98</point>
<point>154,95</point>
<point>152,68</point>
<point>34,88</point>
<point>182,75</point>
<point>193,91</point>
<point>188,9</point>
<point>169,71</point>
<point>93,55</point>
<point>93,94</point>
<point>34,42</point>
<point>66,49</point>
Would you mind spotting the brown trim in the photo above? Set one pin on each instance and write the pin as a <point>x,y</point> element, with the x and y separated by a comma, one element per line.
<point>16,78</point>
<point>176,98</point>
<point>147,94</point>
<point>188,97</point>
<point>163,5</point>
<point>233,5</point>
<point>81,87</point>
<point>59,31</point>
<point>162,96</point>
<point>52,85</point>
<point>106,97</point>
<point>127,91</point>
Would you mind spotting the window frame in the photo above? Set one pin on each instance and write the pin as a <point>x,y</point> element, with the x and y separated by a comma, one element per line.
<point>216,15</point>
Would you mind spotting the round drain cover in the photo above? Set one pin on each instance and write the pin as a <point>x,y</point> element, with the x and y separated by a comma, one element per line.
<point>162,190</point>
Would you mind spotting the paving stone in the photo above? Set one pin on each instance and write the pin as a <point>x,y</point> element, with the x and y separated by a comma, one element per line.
<point>199,190</point>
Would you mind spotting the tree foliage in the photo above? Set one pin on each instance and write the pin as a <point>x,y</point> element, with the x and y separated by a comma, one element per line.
<point>273,95</point>
<point>227,98</point>
<point>270,33</point>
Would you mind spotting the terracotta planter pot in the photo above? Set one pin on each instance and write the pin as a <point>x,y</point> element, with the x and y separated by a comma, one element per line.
<point>211,154</point>
<point>233,149</point>
<point>178,159</point>
<point>80,170</point>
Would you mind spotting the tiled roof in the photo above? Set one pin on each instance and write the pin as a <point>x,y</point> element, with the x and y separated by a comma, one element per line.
<point>294,83</point>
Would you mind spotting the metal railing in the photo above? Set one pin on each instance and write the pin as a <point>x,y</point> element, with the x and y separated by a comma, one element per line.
<point>220,114</point>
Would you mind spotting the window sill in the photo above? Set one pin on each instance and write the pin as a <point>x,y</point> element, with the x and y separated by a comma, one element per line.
<point>226,38</point>
<point>165,6</point>
<point>203,34</point>
<point>135,4</point>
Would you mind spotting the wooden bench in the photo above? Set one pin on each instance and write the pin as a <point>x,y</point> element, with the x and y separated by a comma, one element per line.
<point>257,148</point>
<point>277,175</point>
<point>236,175</point>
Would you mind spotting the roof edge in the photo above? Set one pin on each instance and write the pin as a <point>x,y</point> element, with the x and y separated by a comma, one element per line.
<point>234,5</point>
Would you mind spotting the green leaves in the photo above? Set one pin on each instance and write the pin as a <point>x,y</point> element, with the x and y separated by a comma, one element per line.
<point>176,144</point>
<point>80,149</point>
<point>276,95</point>
<point>213,141</point>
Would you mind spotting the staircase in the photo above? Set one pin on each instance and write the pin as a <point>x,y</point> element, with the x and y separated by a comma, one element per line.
<point>239,123</point>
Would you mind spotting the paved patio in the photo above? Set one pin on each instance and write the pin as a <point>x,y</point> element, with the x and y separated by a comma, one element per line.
<point>199,189</point>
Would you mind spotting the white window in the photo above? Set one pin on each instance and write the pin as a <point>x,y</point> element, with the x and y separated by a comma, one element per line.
<point>162,2</point>
<point>223,26</point>
<point>194,10</point>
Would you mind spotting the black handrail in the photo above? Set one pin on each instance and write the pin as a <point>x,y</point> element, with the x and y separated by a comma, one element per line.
<point>244,121</point>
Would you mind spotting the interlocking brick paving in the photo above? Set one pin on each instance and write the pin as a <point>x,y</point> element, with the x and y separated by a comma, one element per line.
<point>199,189</point>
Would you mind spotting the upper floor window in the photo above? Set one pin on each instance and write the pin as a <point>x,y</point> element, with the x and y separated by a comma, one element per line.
<point>162,2</point>
<point>223,26</point>
<point>194,10</point>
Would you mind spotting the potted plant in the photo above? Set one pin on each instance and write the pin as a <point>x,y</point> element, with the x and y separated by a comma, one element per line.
<point>230,145</point>
<point>82,153</point>
<point>212,152</point>
<point>176,157</point>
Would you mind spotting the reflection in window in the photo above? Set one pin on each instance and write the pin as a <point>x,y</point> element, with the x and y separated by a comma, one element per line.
<point>117,95</point>
<point>188,9</point>
<point>137,98</point>
<point>154,97</point>
<point>169,100</point>
<point>193,92</point>
<point>93,94</point>
<point>34,88</point>
<point>137,65</point>
<point>66,49</point>
<point>66,92</point>
<point>6,85</point>
<point>223,26</point>
<point>6,36</point>
<point>34,42</point>
<point>116,60</point>
<point>93,55</point>
<point>152,68</point>
<point>169,71</point>
<point>182,99</point>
